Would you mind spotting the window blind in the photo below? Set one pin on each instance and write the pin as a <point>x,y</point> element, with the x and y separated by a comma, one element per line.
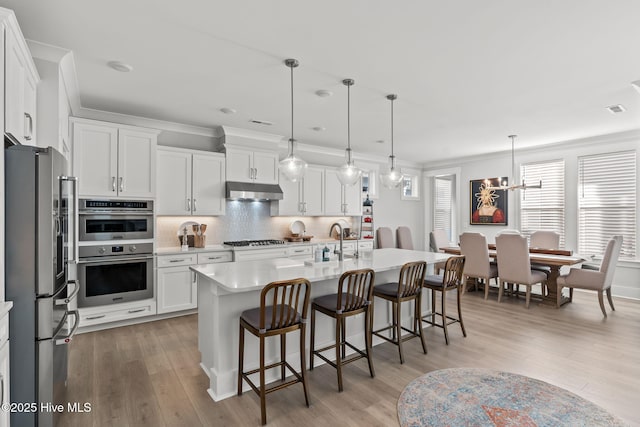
<point>543,209</point>
<point>607,202</point>
<point>443,204</point>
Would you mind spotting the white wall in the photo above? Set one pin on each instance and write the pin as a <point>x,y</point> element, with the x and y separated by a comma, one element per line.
<point>627,278</point>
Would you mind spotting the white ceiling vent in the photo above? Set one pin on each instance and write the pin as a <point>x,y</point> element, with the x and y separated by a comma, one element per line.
<point>615,109</point>
<point>261,122</point>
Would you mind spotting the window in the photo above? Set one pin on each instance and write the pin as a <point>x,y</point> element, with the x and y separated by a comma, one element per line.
<point>443,204</point>
<point>410,184</point>
<point>543,209</point>
<point>607,202</point>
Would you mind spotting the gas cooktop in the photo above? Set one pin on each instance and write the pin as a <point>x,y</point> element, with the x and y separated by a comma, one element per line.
<point>266,242</point>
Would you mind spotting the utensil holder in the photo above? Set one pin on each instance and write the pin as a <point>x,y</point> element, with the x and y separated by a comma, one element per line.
<point>200,241</point>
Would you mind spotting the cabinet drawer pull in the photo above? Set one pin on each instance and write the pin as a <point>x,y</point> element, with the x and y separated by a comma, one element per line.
<point>298,251</point>
<point>177,260</point>
<point>214,257</point>
<point>95,317</point>
<point>137,310</point>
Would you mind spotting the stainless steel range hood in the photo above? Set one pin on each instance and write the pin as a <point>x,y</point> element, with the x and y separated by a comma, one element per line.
<point>250,191</point>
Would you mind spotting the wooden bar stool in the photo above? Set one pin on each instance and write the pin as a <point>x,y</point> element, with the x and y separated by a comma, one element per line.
<point>450,280</point>
<point>355,296</point>
<point>278,314</point>
<point>408,288</point>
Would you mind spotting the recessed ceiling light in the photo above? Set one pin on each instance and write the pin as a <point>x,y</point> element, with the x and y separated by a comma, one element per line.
<point>120,66</point>
<point>319,128</point>
<point>322,93</point>
<point>227,110</point>
<point>615,109</point>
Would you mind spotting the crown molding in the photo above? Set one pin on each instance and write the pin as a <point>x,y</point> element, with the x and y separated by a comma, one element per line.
<point>9,17</point>
<point>251,134</point>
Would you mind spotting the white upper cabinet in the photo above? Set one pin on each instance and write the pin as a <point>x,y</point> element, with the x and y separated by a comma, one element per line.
<point>340,199</point>
<point>247,165</point>
<point>114,161</point>
<point>190,182</point>
<point>305,197</point>
<point>20,82</point>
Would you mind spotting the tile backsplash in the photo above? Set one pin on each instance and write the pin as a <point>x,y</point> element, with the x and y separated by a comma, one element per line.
<point>244,220</point>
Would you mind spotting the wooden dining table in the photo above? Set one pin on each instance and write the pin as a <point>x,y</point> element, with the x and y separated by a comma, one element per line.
<point>554,259</point>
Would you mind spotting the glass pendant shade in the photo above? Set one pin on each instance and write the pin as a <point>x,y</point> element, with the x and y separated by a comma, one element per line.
<point>392,177</point>
<point>349,174</point>
<point>292,167</point>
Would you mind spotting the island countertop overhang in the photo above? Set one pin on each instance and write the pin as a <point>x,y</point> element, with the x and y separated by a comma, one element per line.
<point>246,276</point>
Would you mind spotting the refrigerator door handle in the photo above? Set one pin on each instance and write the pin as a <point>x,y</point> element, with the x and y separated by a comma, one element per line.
<point>67,300</point>
<point>72,218</point>
<point>67,339</point>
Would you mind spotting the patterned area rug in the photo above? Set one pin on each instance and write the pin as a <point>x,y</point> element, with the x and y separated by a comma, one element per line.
<point>483,397</point>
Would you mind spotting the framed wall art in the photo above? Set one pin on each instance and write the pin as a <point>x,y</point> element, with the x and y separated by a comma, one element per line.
<point>488,206</point>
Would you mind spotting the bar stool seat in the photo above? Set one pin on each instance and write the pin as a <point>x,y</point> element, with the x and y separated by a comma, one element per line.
<point>407,288</point>
<point>355,296</point>
<point>450,280</point>
<point>281,311</point>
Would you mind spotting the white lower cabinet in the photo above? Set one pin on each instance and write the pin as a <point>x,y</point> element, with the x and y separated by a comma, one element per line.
<point>116,312</point>
<point>176,283</point>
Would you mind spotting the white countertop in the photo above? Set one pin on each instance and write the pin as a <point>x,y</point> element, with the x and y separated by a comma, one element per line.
<point>245,276</point>
<point>173,250</point>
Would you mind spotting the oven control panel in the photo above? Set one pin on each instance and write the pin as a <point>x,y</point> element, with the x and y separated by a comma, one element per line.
<point>115,250</point>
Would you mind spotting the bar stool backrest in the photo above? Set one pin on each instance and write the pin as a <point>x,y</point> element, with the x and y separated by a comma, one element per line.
<point>355,289</point>
<point>411,278</point>
<point>285,299</point>
<point>453,271</point>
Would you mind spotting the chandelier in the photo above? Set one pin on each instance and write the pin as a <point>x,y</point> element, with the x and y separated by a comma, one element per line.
<point>504,184</point>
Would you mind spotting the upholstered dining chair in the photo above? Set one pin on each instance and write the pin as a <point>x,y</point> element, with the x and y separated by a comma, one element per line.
<point>384,236</point>
<point>407,288</point>
<point>544,239</point>
<point>478,265</point>
<point>283,309</point>
<point>438,239</point>
<point>403,237</point>
<point>593,280</point>
<point>514,265</point>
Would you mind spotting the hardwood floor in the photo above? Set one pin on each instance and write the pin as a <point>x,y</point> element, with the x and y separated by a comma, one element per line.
<point>149,374</point>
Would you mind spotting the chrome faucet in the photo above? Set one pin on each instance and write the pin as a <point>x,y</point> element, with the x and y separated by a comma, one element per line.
<point>339,252</point>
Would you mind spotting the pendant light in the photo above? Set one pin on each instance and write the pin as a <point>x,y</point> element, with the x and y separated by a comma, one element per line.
<point>292,166</point>
<point>348,173</point>
<point>392,177</point>
<point>505,183</point>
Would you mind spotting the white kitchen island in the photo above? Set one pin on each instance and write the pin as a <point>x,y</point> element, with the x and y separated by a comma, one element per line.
<point>225,290</point>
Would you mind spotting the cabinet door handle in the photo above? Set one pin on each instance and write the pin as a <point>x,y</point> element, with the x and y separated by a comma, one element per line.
<point>2,387</point>
<point>95,317</point>
<point>137,310</point>
<point>193,277</point>
<point>28,126</point>
<point>195,206</point>
<point>121,185</point>
<point>188,205</point>
<point>113,183</point>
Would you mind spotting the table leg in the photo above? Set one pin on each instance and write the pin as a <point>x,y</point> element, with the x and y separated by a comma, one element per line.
<point>553,297</point>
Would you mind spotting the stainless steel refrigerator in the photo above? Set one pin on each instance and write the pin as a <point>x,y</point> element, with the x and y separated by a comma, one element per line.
<point>40,211</point>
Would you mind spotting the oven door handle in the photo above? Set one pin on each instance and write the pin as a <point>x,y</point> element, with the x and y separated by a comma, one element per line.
<point>113,259</point>
<point>117,213</point>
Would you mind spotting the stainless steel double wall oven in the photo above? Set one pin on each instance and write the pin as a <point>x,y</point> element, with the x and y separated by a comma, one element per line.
<point>116,251</point>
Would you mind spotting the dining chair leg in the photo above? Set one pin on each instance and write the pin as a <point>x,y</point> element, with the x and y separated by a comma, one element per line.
<point>240,359</point>
<point>528,296</point>
<point>500,290</point>
<point>464,332</point>
<point>338,352</point>
<point>367,338</point>
<point>601,301</point>
<point>398,328</point>
<point>443,308</point>
<point>486,287</point>
<point>263,400</point>
<point>283,355</point>
<point>610,299</point>
<point>570,294</point>
<point>418,323</point>
<point>313,339</point>
<point>303,370</point>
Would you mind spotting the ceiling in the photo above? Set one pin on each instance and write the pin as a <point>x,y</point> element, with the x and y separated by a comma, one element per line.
<point>467,73</point>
